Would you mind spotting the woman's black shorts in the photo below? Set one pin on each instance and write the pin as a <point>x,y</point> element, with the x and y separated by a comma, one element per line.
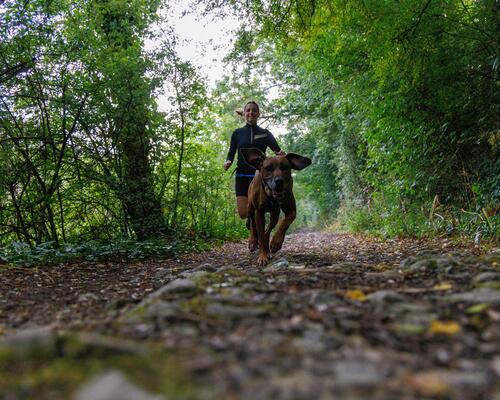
<point>241,185</point>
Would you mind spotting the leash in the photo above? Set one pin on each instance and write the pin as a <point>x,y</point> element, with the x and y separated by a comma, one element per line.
<point>239,175</point>
<point>271,200</point>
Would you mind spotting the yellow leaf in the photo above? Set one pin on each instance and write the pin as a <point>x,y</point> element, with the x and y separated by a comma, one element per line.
<point>443,286</point>
<point>382,267</point>
<point>444,327</point>
<point>355,294</point>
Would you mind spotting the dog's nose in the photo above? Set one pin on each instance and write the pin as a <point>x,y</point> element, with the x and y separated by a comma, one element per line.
<point>278,183</point>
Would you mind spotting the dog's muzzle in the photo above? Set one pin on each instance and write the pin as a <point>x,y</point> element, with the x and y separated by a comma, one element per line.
<point>277,184</point>
<point>275,187</point>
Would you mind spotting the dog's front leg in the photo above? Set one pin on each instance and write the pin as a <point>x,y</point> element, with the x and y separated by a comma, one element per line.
<point>261,235</point>
<point>252,241</point>
<point>279,236</point>
<point>273,220</point>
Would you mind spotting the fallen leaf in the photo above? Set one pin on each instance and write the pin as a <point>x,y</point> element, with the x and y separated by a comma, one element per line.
<point>313,314</point>
<point>493,315</point>
<point>443,286</point>
<point>410,328</point>
<point>355,294</point>
<point>476,308</point>
<point>428,384</point>
<point>382,267</point>
<point>296,320</point>
<point>444,328</point>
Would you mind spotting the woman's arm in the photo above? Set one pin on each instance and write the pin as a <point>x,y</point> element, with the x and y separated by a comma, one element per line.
<point>274,146</point>
<point>232,151</point>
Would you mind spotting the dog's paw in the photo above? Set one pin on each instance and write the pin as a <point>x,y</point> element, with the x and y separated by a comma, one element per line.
<point>263,260</point>
<point>252,244</point>
<point>276,243</point>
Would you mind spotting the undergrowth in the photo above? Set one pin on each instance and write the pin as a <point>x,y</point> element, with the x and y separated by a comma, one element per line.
<point>412,221</point>
<point>122,249</point>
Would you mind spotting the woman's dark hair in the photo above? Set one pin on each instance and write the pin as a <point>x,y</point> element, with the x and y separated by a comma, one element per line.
<point>241,112</point>
<point>251,102</point>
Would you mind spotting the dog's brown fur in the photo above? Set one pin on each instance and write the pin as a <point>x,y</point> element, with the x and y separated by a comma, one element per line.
<point>271,191</point>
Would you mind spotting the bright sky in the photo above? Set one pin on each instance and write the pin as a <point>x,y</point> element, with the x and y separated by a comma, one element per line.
<point>205,41</point>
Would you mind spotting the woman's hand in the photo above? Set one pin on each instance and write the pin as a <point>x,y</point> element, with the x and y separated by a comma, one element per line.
<point>280,153</point>
<point>227,164</point>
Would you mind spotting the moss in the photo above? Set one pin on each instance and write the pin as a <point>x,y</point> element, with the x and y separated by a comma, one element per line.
<point>196,305</point>
<point>139,311</point>
<point>489,285</point>
<point>204,281</point>
<point>230,275</point>
<point>493,260</point>
<point>59,375</point>
<point>5,355</point>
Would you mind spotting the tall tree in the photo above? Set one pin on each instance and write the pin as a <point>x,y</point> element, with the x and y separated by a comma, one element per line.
<point>124,80</point>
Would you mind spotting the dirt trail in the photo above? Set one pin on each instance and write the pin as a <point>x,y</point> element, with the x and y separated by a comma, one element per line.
<point>332,317</point>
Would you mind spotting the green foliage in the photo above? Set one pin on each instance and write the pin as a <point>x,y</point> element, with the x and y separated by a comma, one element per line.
<point>401,100</point>
<point>405,219</point>
<point>22,254</point>
<point>397,104</point>
<point>85,155</point>
<point>66,115</point>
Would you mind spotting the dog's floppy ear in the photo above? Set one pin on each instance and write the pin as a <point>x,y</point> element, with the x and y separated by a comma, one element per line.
<point>253,156</point>
<point>298,162</point>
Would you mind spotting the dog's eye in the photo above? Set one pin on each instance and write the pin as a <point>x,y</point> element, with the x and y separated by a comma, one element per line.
<point>269,168</point>
<point>284,167</point>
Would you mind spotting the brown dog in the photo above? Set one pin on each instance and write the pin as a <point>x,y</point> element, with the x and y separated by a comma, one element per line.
<point>271,191</point>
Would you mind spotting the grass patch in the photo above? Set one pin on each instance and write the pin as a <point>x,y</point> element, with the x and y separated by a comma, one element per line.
<point>389,219</point>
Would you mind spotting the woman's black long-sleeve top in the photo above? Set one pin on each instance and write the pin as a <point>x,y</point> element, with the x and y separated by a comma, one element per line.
<point>246,137</point>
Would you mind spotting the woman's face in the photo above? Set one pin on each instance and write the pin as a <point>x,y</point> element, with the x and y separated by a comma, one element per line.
<point>251,113</point>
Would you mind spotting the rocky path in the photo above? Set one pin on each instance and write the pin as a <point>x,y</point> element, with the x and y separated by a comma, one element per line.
<point>332,317</point>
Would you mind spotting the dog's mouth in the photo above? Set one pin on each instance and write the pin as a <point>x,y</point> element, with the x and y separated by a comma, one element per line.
<point>279,195</point>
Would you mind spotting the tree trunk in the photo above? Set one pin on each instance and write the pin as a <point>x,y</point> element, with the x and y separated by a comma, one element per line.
<point>131,93</point>
<point>181,156</point>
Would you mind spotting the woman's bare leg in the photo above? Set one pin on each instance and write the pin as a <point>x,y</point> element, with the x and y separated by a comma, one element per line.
<point>242,204</point>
